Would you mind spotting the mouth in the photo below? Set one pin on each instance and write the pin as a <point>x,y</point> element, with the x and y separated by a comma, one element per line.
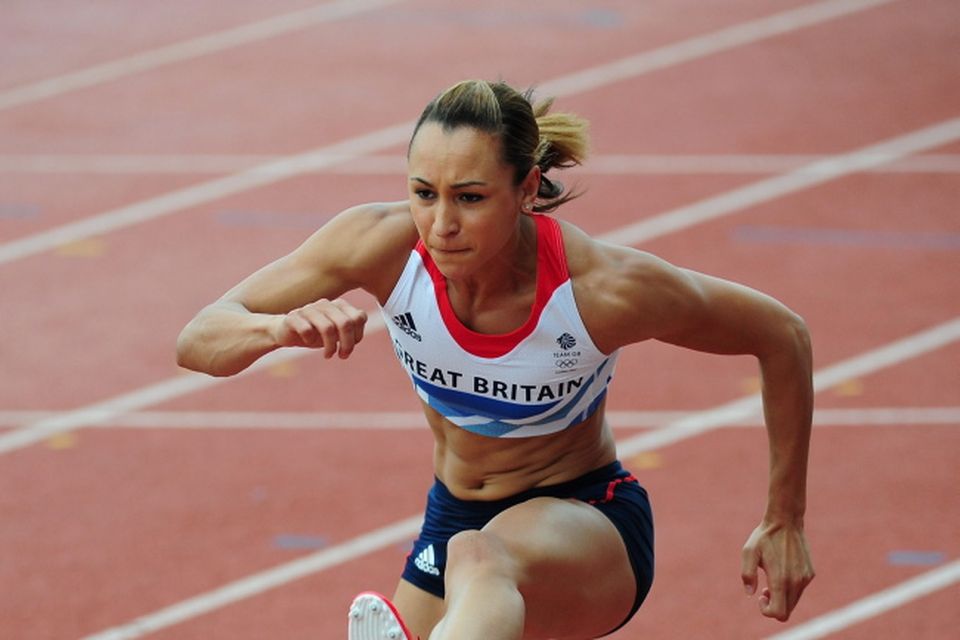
<point>448,251</point>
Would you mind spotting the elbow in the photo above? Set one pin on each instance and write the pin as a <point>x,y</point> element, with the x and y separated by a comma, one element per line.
<point>189,354</point>
<point>793,321</point>
<point>799,331</point>
<point>195,353</point>
<point>786,337</point>
<point>795,339</point>
<point>218,343</point>
<point>185,352</point>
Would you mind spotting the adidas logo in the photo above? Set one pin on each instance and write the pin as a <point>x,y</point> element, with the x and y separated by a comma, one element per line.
<point>407,325</point>
<point>426,561</point>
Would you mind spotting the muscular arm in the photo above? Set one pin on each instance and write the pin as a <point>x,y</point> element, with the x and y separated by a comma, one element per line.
<point>634,296</point>
<point>295,301</point>
<point>729,318</point>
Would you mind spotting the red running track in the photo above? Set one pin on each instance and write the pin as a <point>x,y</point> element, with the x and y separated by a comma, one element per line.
<point>102,525</point>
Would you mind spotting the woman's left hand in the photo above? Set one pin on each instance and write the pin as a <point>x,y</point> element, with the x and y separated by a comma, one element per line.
<point>782,552</point>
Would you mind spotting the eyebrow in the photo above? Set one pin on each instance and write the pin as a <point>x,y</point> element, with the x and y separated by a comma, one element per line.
<point>459,185</point>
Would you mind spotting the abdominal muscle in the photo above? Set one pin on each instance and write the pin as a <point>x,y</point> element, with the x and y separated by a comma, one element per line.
<point>475,467</point>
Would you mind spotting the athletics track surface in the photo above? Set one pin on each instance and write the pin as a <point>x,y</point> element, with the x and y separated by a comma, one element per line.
<point>153,154</point>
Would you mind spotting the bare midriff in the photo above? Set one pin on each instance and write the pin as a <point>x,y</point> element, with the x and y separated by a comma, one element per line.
<point>476,467</point>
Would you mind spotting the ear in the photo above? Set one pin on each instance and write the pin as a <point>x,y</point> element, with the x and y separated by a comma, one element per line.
<point>530,187</point>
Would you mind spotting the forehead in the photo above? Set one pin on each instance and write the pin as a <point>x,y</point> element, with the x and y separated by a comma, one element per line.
<point>455,154</point>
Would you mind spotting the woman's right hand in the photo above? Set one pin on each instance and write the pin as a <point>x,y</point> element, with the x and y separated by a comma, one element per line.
<point>335,326</point>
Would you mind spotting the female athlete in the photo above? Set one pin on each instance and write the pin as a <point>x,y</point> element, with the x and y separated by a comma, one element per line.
<point>509,322</point>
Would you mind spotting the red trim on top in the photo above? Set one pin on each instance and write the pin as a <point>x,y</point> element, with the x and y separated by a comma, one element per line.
<point>551,273</point>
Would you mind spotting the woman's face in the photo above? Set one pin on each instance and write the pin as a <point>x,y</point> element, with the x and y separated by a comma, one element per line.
<point>463,198</point>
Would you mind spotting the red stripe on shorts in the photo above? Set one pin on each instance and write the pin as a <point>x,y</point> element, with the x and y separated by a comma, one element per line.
<point>611,488</point>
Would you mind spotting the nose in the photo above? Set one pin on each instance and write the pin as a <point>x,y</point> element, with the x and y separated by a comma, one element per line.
<point>446,220</point>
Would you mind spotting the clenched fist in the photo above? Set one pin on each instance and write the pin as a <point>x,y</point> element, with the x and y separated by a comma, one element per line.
<point>335,326</point>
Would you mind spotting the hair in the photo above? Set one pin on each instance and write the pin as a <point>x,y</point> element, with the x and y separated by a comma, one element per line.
<point>528,133</point>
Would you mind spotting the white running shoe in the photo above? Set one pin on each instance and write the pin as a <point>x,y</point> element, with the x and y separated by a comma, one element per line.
<point>373,617</point>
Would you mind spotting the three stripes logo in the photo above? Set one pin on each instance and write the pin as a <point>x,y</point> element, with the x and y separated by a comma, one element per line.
<point>426,561</point>
<point>407,325</point>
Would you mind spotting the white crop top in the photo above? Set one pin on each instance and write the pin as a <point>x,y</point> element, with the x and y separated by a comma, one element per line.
<point>541,378</point>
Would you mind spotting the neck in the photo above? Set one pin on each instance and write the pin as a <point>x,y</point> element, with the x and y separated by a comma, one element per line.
<point>499,297</point>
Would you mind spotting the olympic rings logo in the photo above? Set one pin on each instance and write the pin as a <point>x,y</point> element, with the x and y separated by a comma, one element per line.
<point>566,363</point>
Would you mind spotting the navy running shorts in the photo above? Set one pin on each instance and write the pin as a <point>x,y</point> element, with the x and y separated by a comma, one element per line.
<point>611,489</point>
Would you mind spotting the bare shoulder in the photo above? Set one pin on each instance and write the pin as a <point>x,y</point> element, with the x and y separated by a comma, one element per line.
<point>372,223</point>
<point>363,247</point>
<point>625,295</point>
<point>365,229</point>
<point>374,217</point>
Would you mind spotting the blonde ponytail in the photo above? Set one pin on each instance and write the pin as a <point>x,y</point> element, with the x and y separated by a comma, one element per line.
<point>564,142</point>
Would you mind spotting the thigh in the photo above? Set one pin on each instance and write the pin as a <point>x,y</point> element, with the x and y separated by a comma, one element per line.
<point>574,571</point>
<point>420,610</point>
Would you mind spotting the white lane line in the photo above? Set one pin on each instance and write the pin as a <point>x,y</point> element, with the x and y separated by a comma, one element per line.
<point>153,164</point>
<point>98,412</point>
<point>609,164</point>
<point>327,156</point>
<point>187,382</point>
<point>357,547</point>
<point>886,416</point>
<point>805,177</point>
<point>733,164</point>
<point>875,605</point>
<point>684,428</point>
<point>187,50</point>
<point>403,420</point>
<point>693,48</point>
<point>886,356</point>
<point>715,42</point>
<point>889,355</point>
<point>202,193</point>
<point>750,408</point>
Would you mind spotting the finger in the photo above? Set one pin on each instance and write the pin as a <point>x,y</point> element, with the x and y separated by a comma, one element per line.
<point>773,604</point>
<point>360,325</point>
<point>351,325</point>
<point>300,331</point>
<point>322,332</point>
<point>794,592</point>
<point>336,326</point>
<point>764,598</point>
<point>345,320</point>
<point>749,562</point>
<point>331,335</point>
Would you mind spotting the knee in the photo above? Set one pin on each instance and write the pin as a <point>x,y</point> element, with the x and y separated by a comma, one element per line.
<point>475,553</point>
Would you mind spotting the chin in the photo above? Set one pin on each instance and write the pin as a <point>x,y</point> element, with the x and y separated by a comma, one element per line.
<point>453,269</point>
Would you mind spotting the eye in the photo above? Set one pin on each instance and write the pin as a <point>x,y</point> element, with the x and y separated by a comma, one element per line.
<point>471,197</point>
<point>424,194</point>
